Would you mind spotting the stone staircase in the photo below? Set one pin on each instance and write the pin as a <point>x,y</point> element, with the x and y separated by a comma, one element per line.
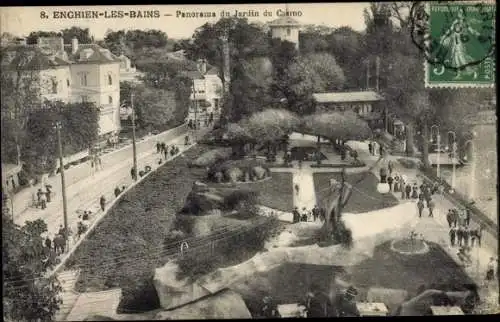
<point>68,295</point>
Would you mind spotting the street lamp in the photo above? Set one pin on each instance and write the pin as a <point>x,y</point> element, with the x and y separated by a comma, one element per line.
<point>453,153</point>
<point>438,139</point>
<point>472,187</point>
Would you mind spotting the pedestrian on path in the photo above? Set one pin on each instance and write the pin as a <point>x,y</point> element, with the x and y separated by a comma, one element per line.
<point>102,202</point>
<point>296,189</point>
<point>48,243</point>
<point>48,191</point>
<point>383,175</point>
<point>420,207</point>
<point>296,215</point>
<point>315,212</point>
<point>402,188</point>
<point>490,269</point>
<point>449,218</point>
<point>165,152</point>
<point>468,214</point>
<point>158,147</point>
<point>466,234</point>
<point>163,146</point>
<point>414,193</point>
<point>390,167</point>
<point>370,148</point>
<point>304,214</point>
<point>389,181</point>
<point>117,192</point>
<point>430,205</point>
<point>43,199</point>
<point>454,217</point>
<point>133,173</point>
<point>460,236</point>
<point>408,191</point>
<point>453,233</point>
<point>396,183</point>
<point>374,147</point>
<point>473,236</point>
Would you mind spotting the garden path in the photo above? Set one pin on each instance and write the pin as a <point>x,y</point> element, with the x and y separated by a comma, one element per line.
<point>306,195</point>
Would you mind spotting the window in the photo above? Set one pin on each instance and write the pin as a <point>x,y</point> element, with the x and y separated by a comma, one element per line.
<point>110,100</point>
<point>288,31</point>
<point>83,79</point>
<point>54,85</point>
<point>67,82</point>
<point>110,80</point>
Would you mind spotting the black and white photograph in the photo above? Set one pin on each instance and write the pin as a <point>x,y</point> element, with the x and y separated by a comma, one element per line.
<point>249,161</point>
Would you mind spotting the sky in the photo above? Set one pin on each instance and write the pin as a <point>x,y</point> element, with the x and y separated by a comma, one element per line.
<point>20,21</point>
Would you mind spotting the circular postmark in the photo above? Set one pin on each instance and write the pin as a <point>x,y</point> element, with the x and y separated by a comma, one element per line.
<point>453,35</point>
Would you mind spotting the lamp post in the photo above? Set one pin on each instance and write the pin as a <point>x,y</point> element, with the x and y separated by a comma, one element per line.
<point>472,187</point>
<point>438,139</point>
<point>63,182</point>
<point>453,153</point>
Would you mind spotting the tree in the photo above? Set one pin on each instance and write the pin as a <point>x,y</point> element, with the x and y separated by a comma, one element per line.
<point>132,43</point>
<point>32,38</point>
<point>313,73</point>
<point>27,293</point>
<point>82,34</point>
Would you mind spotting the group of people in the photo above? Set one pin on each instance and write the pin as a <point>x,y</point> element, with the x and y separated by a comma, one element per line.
<point>42,196</point>
<point>193,125</point>
<point>163,149</point>
<point>313,215</point>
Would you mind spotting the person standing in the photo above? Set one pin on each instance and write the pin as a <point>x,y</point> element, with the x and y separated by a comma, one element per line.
<point>466,234</point>
<point>490,269</point>
<point>381,150</point>
<point>158,147</point>
<point>165,152</point>
<point>403,188</point>
<point>389,181</point>
<point>296,215</point>
<point>408,191</point>
<point>102,202</point>
<point>315,213</point>
<point>48,243</point>
<point>396,183</point>
<point>163,147</point>
<point>133,173</point>
<point>117,191</point>
<point>48,191</point>
<point>390,167</point>
<point>420,207</point>
<point>370,147</point>
<point>468,214</point>
<point>43,199</point>
<point>383,175</point>
<point>449,218</point>
<point>460,236</point>
<point>374,147</point>
<point>430,205</point>
<point>453,233</point>
<point>473,236</point>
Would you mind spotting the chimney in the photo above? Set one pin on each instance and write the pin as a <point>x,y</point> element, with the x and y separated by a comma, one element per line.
<point>202,66</point>
<point>74,45</point>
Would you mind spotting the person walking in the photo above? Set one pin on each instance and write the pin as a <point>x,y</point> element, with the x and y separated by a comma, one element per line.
<point>466,235</point>
<point>133,173</point>
<point>389,181</point>
<point>420,207</point>
<point>163,146</point>
<point>43,199</point>
<point>381,150</point>
<point>48,192</point>
<point>117,192</point>
<point>315,212</point>
<point>449,218</point>
<point>296,215</point>
<point>102,202</point>
<point>158,147</point>
<point>370,148</point>
<point>460,236</point>
<point>296,189</point>
<point>48,243</point>
<point>490,269</point>
<point>396,183</point>
<point>402,188</point>
<point>408,191</point>
<point>473,236</point>
<point>431,205</point>
<point>453,233</point>
<point>468,214</point>
<point>390,167</point>
<point>454,217</point>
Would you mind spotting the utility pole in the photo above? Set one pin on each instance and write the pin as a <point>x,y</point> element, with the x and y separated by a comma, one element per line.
<point>63,182</point>
<point>134,149</point>
<point>367,74</point>
<point>377,70</point>
<point>195,105</point>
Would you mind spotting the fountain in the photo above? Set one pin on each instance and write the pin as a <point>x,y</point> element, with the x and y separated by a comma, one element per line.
<point>410,245</point>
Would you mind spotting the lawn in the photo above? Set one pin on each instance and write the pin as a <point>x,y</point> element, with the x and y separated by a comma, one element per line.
<point>289,282</point>
<point>276,192</point>
<point>364,198</point>
<point>126,247</point>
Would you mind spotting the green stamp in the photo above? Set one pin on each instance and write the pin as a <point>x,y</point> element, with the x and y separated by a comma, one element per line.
<point>460,45</point>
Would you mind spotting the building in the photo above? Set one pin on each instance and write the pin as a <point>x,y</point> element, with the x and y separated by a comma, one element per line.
<point>367,104</point>
<point>206,95</point>
<point>128,73</point>
<point>285,28</point>
<point>72,73</point>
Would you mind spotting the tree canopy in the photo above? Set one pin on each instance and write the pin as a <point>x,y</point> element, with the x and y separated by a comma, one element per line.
<point>271,124</point>
<point>337,125</point>
<point>82,34</point>
<point>27,294</point>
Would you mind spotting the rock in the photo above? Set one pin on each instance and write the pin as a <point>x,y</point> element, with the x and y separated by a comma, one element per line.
<point>259,172</point>
<point>224,305</point>
<point>234,174</point>
<point>173,292</point>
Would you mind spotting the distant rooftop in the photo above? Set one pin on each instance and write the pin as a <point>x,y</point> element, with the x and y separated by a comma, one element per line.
<point>284,21</point>
<point>344,97</point>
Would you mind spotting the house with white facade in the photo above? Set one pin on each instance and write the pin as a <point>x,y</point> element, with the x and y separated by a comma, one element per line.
<point>206,93</point>
<point>128,73</point>
<point>72,73</point>
<point>285,28</point>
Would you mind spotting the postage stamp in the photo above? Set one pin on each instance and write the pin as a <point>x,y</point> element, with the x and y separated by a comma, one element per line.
<point>460,45</point>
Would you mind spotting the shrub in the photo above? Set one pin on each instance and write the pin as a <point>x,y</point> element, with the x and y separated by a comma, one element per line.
<point>211,157</point>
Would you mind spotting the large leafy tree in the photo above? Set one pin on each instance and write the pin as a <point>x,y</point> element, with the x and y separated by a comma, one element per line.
<point>82,34</point>
<point>34,35</point>
<point>27,294</point>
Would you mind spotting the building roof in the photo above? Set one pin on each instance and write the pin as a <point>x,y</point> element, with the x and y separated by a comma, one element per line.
<point>195,74</point>
<point>365,96</point>
<point>95,303</point>
<point>284,21</point>
<point>91,53</point>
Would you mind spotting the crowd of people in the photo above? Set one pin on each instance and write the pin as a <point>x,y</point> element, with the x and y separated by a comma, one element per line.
<point>163,149</point>
<point>313,215</point>
<point>196,125</point>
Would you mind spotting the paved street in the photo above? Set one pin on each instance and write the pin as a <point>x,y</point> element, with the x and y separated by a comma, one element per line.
<point>85,194</point>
